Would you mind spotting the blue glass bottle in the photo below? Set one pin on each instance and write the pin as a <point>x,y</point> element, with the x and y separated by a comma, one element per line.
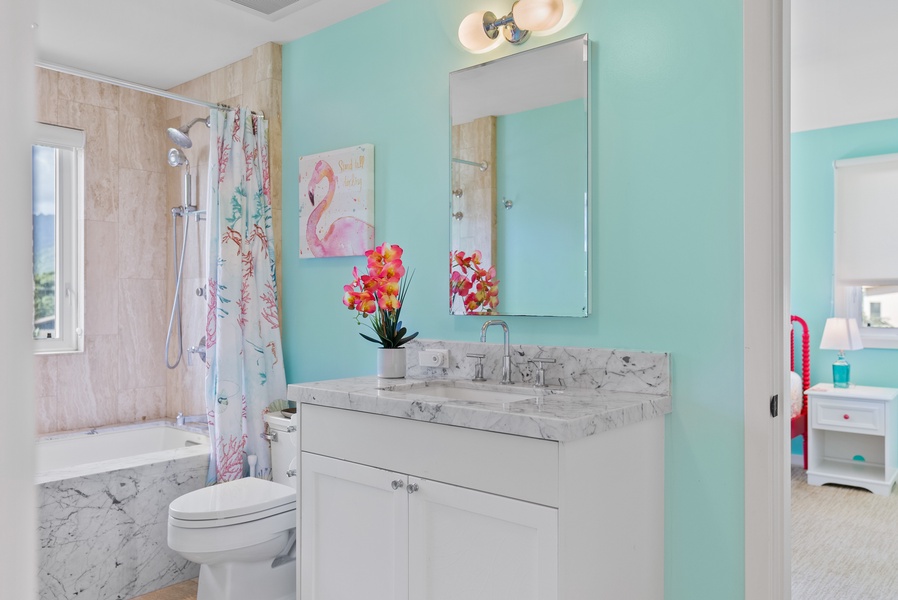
<point>841,372</point>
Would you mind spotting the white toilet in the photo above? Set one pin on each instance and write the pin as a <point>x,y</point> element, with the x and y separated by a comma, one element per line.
<point>243,532</point>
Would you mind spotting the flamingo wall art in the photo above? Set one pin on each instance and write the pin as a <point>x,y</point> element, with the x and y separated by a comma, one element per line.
<point>336,202</point>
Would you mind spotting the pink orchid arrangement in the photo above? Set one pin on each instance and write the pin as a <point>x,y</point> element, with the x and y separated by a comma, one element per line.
<point>380,294</point>
<point>477,286</point>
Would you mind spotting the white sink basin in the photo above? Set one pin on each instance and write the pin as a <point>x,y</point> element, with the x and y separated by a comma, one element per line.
<point>488,396</point>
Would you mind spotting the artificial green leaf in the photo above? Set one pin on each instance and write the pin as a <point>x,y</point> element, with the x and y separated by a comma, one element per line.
<point>407,339</point>
<point>370,339</point>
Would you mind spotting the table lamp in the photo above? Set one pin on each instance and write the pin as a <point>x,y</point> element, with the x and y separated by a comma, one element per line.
<point>841,334</point>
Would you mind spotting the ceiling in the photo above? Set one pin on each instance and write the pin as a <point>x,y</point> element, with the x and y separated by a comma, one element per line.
<point>162,43</point>
<point>844,62</point>
<point>844,67</point>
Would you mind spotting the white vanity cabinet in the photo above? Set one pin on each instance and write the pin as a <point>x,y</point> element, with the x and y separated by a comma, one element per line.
<point>469,544</point>
<point>399,509</point>
<point>355,531</point>
<point>377,534</point>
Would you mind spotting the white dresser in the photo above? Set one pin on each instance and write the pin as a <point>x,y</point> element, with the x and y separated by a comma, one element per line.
<point>851,436</point>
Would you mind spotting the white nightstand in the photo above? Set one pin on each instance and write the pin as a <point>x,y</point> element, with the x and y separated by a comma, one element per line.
<point>852,436</point>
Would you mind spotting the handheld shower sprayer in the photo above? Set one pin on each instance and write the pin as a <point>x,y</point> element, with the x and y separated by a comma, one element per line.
<point>177,158</point>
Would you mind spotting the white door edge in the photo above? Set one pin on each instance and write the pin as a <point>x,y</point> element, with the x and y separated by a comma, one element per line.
<point>766,297</point>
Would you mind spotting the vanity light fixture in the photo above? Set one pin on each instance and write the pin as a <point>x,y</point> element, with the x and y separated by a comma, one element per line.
<point>479,31</point>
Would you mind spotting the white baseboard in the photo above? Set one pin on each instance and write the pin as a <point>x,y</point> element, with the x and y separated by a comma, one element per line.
<point>798,460</point>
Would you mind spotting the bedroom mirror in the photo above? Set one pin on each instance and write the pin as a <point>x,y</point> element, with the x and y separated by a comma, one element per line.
<point>519,199</point>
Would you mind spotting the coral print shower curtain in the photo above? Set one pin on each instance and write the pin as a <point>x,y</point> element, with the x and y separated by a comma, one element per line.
<point>243,344</point>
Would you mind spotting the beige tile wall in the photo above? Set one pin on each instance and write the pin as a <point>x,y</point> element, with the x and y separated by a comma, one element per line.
<point>124,227</point>
<point>129,274</point>
<point>475,141</point>
<point>254,83</point>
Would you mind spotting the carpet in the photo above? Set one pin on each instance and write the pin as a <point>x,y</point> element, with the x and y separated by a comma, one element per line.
<point>844,542</point>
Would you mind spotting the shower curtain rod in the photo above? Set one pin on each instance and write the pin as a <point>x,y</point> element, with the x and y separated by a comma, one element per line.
<point>126,84</point>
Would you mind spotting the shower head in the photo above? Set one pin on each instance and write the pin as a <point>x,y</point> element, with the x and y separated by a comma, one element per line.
<point>176,158</point>
<point>179,135</point>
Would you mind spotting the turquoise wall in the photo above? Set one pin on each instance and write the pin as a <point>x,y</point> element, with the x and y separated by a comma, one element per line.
<point>813,197</point>
<point>541,168</point>
<point>666,168</point>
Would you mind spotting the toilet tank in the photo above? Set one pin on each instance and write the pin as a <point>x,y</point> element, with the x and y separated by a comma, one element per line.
<point>283,450</point>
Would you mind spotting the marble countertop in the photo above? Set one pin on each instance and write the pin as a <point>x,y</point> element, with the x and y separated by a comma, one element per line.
<point>561,414</point>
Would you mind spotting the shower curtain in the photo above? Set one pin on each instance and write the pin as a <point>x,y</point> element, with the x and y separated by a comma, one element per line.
<point>243,344</point>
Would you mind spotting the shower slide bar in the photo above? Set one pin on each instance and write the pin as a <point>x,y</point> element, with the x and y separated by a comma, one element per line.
<point>482,165</point>
<point>180,211</point>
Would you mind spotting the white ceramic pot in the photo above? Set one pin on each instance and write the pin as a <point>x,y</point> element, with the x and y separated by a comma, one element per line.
<point>391,363</point>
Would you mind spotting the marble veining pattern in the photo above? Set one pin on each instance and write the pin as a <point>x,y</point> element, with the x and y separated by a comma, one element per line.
<point>553,414</point>
<point>589,390</point>
<point>103,536</point>
<point>586,368</point>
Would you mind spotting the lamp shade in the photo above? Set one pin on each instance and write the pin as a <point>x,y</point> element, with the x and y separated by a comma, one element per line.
<point>473,37</point>
<point>841,334</point>
<point>537,15</point>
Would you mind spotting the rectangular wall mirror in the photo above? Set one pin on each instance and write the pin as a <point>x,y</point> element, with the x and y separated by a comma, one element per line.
<point>519,207</point>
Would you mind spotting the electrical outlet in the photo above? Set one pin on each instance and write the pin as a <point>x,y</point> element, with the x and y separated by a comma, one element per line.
<point>433,358</point>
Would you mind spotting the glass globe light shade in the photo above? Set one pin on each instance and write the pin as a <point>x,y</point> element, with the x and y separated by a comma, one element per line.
<point>537,15</point>
<point>472,36</point>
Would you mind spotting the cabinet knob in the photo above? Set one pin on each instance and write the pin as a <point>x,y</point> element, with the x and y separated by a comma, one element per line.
<point>846,417</point>
<point>396,484</point>
<point>412,488</point>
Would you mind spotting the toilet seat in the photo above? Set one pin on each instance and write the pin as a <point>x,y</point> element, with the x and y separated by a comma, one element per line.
<point>231,503</point>
<point>216,538</point>
<point>242,533</point>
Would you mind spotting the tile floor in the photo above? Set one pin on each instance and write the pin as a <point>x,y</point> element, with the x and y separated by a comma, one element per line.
<point>185,590</point>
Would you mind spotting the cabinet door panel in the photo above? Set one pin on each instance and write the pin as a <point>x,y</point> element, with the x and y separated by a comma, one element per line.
<point>354,532</point>
<point>479,546</point>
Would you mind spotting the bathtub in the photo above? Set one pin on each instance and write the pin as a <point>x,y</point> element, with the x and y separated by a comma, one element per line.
<point>103,502</point>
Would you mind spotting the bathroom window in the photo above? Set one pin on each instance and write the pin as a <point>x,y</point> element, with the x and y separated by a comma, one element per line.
<point>57,158</point>
<point>866,271</point>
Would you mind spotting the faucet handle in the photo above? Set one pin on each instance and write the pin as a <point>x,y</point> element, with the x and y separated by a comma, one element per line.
<point>541,370</point>
<point>541,360</point>
<point>478,368</point>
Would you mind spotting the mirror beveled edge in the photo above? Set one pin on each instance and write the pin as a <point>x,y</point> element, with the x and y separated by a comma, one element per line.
<point>584,279</point>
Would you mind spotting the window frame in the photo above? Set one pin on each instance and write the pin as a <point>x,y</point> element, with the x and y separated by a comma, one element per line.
<point>848,295</point>
<point>850,303</point>
<point>69,237</point>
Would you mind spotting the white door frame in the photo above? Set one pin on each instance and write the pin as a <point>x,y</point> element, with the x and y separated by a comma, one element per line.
<point>766,297</point>
<point>18,500</point>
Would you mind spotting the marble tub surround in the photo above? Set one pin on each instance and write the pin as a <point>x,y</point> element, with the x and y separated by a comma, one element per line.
<point>103,513</point>
<point>546,413</point>
<point>103,536</point>
<point>581,368</point>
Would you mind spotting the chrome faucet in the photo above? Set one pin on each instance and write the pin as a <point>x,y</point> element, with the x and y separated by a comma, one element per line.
<point>506,359</point>
<point>180,420</point>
